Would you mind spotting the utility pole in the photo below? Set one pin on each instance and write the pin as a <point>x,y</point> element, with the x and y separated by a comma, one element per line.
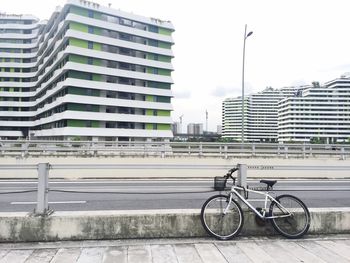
<point>181,123</point>
<point>206,120</point>
<point>245,37</point>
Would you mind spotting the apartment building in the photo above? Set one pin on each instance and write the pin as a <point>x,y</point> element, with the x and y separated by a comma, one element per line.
<point>88,72</point>
<point>260,115</point>
<point>318,113</point>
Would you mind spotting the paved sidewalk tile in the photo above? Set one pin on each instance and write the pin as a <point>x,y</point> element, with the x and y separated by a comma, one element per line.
<point>243,250</point>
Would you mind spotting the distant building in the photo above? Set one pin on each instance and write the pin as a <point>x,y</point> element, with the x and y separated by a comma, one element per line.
<point>176,128</point>
<point>314,113</point>
<point>195,128</point>
<point>319,113</point>
<point>260,115</point>
<point>219,129</point>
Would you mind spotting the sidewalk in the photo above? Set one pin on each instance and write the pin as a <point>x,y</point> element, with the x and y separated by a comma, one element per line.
<point>312,249</point>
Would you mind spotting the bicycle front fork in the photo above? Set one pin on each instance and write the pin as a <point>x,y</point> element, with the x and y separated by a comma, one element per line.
<point>228,205</point>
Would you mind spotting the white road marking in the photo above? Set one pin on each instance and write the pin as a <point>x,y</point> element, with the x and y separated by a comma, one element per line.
<point>58,202</point>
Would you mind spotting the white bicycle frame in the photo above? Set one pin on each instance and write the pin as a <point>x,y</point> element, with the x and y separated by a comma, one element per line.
<point>234,191</point>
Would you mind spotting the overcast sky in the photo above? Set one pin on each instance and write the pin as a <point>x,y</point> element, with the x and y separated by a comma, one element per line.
<point>294,42</point>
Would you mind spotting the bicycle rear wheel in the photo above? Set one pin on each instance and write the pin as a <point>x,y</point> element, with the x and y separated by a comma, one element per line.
<point>219,224</point>
<point>293,225</point>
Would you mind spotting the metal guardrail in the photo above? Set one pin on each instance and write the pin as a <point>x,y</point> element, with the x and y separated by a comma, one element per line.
<point>25,148</point>
<point>44,168</point>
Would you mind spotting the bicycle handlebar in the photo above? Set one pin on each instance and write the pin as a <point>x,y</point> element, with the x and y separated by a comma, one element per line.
<point>230,172</point>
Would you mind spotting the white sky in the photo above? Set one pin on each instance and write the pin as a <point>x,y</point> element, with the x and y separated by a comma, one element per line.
<point>294,42</point>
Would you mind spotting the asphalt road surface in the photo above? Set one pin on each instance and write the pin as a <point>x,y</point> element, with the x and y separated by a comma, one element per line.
<point>138,194</point>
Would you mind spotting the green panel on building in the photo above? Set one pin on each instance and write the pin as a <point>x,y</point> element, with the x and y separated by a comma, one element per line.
<point>164,72</point>
<point>149,112</point>
<point>76,91</point>
<point>78,42</point>
<point>96,77</point>
<point>95,124</point>
<point>164,127</point>
<point>164,113</point>
<point>78,27</point>
<point>166,45</point>
<point>76,123</point>
<point>149,126</point>
<point>76,107</point>
<point>164,31</point>
<point>159,85</point>
<point>163,99</point>
<point>78,59</point>
<point>164,58</point>
<point>79,75</point>
<point>78,11</point>
<point>97,62</point>
<point>149,98</point>
<point>97,46</point>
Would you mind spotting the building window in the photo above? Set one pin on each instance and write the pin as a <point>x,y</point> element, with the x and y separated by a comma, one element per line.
<point>152,42</point>
<point>90,45</point>
<point>90,61</point>
<point>153,29</point>
<point>91,29</point>
<point>91,13</point>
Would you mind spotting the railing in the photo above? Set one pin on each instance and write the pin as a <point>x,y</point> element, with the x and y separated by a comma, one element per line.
<point>43,169</point>
<point>26,148</point>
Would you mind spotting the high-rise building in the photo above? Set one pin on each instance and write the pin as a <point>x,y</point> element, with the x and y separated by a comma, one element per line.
<point>260,115</point>
<point>195,128</point>
<point>89,71</point>
<point>176,128</point>
<point>319,114</point>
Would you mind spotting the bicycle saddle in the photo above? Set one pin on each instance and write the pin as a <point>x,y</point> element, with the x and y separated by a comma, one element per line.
<point>270,183</point>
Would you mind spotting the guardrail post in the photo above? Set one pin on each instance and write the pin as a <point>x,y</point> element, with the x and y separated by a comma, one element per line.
<point>310,149</point>
<point>25,146</point>
<point>242,176</point>
<point>200,149</point>
<point>42,206</point>
<point>253,149</point>
<point>225,150</point>
<point>342,150</point>
<point>286,152</point>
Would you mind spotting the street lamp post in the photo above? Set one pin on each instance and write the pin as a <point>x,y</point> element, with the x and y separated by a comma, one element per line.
<point>245,37</point>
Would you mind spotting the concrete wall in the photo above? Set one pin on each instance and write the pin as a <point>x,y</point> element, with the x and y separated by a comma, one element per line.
<point>97,225</point>
<point>178,173</point>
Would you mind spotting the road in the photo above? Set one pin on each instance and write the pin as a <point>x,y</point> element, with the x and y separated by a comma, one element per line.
<point>156,194</point>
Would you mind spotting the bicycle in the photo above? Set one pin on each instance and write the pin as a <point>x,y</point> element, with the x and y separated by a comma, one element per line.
<point>222,216</point>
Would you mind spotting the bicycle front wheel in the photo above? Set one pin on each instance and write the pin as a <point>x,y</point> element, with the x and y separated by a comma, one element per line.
<point>220,218</point>
<point>292,218</point>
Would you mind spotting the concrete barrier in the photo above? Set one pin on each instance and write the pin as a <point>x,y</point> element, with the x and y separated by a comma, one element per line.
<point>175,173</point>
<point>97,225</point>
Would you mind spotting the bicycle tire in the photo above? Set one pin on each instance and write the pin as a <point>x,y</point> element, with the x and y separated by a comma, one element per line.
<point>294,226</point>
<point>219,225</point>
